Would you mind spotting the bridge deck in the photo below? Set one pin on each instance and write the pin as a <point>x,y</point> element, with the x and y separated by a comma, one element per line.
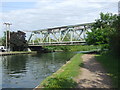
<point>57,43</point>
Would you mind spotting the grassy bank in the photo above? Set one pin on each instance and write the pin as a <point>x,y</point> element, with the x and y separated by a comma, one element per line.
<point>63,78</point>
<point>22,51</point>
<point>17,52</point>
<point>73,48</point>
<point>110,63</point>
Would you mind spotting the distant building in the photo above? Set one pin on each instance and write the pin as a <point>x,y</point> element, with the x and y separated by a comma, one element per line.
<point>119,8</point>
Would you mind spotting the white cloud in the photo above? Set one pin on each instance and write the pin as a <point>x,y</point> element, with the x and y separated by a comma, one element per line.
<point>58,0</point>
<point>51,13</point>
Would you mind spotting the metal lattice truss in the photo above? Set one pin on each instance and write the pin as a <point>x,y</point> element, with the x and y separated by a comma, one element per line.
<point>60,35</point>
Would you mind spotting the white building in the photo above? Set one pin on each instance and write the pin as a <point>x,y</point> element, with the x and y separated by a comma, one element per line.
<point>119,8</point>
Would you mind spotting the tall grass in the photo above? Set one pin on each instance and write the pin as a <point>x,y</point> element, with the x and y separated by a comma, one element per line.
<point>110,63</point>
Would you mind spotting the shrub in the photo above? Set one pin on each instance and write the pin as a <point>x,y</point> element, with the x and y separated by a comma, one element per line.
<point>60,82</point>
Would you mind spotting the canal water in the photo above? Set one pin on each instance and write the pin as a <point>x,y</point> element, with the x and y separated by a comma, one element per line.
<point>27,71</point>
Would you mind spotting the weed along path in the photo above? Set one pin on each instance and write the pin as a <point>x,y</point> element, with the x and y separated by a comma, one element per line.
<point>92,74</point>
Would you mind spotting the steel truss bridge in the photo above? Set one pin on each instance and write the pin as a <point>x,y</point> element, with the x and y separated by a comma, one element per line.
<point>64,35</point>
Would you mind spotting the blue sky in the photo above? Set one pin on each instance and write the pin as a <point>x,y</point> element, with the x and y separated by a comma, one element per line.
<point>39,14</point>
<point>9,6</point>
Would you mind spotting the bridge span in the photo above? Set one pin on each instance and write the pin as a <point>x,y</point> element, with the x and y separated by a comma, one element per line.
<point>64,35</point>
<point>58,43</point>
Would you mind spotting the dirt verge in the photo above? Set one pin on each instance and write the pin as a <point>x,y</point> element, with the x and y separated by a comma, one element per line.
<point>92,74</point>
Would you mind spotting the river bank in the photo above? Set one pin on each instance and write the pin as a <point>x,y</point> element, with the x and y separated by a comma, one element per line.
<point>16,53</point>
<point>73,48</point>
<point>84,71</point>
<point>63,78</point>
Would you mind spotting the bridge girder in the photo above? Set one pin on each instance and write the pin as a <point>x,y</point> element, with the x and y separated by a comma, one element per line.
<point>72,33</point>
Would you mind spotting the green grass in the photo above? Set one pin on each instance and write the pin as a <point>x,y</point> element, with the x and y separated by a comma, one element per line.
<point>73,47</point>
<point>63,78</point>
<point>110,63</point>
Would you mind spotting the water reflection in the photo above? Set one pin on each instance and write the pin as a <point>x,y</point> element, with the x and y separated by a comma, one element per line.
<point>0,73</point>
<point>23,71</point>
<point>15,64</point>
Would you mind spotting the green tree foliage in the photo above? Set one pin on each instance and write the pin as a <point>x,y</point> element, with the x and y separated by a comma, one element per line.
<point>115,37</point>
<point>17,41</point>
<point>2,39</point>
<point>101,29</point>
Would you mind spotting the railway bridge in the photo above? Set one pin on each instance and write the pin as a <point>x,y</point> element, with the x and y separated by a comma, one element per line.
<point>64,35</point>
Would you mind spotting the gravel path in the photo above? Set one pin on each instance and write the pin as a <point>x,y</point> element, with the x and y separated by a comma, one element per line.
<point>92,74</point>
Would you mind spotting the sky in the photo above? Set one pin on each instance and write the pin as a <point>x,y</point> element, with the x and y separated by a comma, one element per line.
<point>39,14</point>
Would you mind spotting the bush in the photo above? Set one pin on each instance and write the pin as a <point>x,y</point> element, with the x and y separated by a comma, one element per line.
<point>115,38</point>
<point>60,82</point>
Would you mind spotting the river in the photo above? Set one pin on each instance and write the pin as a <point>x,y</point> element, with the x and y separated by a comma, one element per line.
<point>27,71</point>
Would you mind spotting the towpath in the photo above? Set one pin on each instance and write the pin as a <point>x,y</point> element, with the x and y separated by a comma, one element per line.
<point>92,74</point>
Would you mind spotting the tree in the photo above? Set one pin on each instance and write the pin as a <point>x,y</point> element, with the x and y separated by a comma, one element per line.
<point>115,37</point>
<point>101,29</point>
<point>3,39</point>
<point>0,41</point>
<point>17,41</point>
